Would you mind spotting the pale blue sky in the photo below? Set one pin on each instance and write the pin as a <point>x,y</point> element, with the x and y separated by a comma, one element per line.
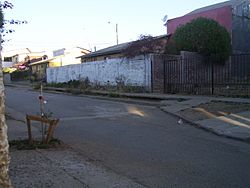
<point>54,24</point>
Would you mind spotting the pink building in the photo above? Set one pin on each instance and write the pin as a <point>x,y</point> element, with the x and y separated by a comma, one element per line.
<point>223,15</point>
<point>234,15</point>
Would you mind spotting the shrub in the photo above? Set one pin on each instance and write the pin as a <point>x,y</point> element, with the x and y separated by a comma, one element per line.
<point>204,36</point>
<point>20,75</point>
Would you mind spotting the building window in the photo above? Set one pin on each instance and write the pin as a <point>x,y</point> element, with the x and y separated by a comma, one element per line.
<point>7,59</point>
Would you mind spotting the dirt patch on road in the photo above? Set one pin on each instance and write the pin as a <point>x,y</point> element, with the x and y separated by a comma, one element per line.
<point>214,109</point>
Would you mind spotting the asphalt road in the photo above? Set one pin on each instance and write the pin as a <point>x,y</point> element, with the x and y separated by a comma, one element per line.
<point>142,142</point>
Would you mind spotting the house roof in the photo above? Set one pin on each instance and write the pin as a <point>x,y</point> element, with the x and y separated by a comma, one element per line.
<point>107,51</point>
<point>77,50</point>
<point>216,6</point>
<point>41,62</point>
<point>113,49</point>
<point>82,48</point>
<point>12,53</point>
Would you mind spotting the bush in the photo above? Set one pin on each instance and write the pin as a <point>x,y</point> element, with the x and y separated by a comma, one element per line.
<point>80,84</point>
<point>20,75</point>
<point>204,36</point>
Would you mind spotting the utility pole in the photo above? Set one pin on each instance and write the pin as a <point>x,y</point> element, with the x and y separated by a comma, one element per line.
<point>116,30</point>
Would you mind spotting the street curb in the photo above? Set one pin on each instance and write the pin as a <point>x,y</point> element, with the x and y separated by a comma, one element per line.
<point>197,125</point>
<point>130,100</point>
<point>131,95</point>
<point>104,96</point>
<point>118,94</point>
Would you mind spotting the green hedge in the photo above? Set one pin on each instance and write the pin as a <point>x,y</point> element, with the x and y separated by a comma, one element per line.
<point>205,36</point>
<point>20,75</point>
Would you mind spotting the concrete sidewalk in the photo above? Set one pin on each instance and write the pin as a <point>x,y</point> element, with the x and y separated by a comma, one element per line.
<point>56,167</point>
<point>235,126</point>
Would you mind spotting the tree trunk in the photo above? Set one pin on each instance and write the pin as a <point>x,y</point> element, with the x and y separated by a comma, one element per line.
<point>4,146</point>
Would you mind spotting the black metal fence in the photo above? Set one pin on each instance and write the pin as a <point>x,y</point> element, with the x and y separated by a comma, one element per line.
<point>201,76</point>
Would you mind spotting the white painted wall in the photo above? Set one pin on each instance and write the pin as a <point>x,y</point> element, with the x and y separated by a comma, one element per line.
<point>6,64</point>
<point>136,72</point>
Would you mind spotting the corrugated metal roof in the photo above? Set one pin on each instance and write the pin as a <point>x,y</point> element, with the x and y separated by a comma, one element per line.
<point>113,49</point>
<point>41,62</point>
<point>216,6</point>
<point>107,51</point>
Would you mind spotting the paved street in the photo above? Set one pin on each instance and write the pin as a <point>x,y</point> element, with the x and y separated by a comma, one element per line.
<point>141,142</point>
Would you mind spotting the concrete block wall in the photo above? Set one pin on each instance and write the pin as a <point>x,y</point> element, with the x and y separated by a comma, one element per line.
<point>134,72</point>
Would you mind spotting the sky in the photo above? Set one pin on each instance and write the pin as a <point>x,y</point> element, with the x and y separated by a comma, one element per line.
<point>56,24</point>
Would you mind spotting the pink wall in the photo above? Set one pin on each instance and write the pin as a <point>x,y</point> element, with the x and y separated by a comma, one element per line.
<point>222,15</point>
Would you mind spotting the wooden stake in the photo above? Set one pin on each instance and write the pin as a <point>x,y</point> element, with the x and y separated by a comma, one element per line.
<point>52,123</point>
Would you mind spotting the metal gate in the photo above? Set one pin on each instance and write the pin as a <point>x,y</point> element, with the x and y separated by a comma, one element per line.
<point>200,76</point>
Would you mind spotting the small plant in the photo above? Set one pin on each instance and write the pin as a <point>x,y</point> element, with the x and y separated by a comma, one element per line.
<point>84,83</point>
<point>48,114</point>
<point>114,95</point>
<point>96,85</point>
<point>75,91</point>
<point>84,86</point>
<point>87,92</point>
<point>133,89</point>
<point>60,85</point>
<point>74,83</point>
<point>24,144</point>
<point>43,114</point>
<point>120,82</point>
<point>19,75</point>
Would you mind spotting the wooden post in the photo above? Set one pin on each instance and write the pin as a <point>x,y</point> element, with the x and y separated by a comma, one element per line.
<point>51,123</point>
<point>51,129</point>
<point>29,130</point>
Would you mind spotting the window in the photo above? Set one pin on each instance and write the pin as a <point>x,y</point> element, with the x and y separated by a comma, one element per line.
<point>7,59</point>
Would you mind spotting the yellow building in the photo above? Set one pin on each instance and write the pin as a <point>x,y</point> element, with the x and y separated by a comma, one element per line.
<point>61,57</point>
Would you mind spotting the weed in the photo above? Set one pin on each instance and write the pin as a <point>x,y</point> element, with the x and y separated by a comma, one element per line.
<point>24,144</point>
<point>83,86</point>
<point>115,95</point>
